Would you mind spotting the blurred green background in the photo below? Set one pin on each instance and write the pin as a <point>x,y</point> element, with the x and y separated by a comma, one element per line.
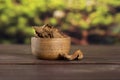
<point>86,21</point>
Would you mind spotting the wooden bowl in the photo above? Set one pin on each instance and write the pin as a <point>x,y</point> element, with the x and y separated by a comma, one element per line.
<point>50,48</point>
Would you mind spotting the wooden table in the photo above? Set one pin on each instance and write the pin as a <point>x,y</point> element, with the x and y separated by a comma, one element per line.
<point>99,63</point>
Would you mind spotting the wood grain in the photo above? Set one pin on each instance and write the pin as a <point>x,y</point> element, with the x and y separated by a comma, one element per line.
<point>100,63</point>
<point>59,72</point>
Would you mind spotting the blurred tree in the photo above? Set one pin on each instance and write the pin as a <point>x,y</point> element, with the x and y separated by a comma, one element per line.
<point>18,16</point>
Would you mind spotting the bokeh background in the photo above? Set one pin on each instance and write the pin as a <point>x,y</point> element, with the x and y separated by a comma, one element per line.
<point>86,21</point>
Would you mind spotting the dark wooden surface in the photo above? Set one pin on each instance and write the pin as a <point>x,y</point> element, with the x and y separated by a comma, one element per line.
<point>99,63</point>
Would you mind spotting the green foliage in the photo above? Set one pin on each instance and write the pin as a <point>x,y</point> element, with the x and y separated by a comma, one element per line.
<point>18,16</point>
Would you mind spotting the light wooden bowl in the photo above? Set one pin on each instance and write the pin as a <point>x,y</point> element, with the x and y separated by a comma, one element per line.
<point>50,48</point>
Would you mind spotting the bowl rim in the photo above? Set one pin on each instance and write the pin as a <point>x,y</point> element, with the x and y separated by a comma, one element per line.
<point>50,38</point>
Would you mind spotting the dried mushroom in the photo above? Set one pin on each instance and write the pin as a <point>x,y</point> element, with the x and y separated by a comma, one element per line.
<point>76,55</point>
<point>48,31</point>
